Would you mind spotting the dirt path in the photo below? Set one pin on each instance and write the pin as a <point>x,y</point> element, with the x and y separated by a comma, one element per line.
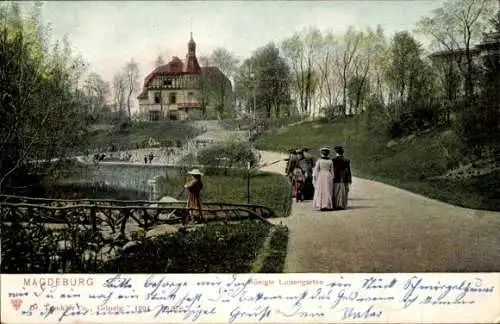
<point>386,229</point>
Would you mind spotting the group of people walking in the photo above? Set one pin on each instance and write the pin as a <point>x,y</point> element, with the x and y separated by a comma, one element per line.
<point>325,180</point>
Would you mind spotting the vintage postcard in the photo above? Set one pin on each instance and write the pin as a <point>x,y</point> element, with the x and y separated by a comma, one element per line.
<point>250,161</point>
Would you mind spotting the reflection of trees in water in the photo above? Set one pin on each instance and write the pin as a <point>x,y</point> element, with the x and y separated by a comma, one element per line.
<point>133,177</point>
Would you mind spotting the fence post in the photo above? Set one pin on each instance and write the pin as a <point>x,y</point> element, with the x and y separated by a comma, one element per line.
<point>153,189</point>
<point>248,182</point>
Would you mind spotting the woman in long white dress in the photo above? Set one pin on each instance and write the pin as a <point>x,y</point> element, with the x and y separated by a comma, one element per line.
<point>323,182</point>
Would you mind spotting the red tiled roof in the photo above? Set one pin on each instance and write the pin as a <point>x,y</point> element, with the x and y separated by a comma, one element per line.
<point>175,68</point>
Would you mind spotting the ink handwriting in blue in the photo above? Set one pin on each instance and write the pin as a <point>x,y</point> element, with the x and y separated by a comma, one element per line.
<point>160,288</point>
<point>118,282</point>
<point>259,313</point>
<point>349,299</point>
<point>366,313</point>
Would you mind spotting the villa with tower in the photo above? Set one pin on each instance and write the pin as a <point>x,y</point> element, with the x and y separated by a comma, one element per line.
<point>182,89</point>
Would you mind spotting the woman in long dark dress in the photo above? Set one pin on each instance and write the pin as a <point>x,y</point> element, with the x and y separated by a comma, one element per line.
<point>342,179</point>
<point>194,187</point>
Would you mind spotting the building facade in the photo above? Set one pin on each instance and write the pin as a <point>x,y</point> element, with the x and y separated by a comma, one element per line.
<point>181,89</point>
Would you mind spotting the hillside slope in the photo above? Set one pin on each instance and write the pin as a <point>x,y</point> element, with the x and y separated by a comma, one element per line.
<point>416,163</point>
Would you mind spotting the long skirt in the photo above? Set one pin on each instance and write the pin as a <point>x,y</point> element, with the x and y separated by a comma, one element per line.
<point>323,193</point>
<point>297,188</point>
<point>308,188</point>
<point>341,191</point>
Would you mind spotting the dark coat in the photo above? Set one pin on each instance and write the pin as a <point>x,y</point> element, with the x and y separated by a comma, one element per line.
<point>306,165</point>
<point>341,170</point>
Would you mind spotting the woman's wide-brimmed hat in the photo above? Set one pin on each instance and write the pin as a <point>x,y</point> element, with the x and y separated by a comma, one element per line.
<point>324,149</point>
<point>195,172</point>
<point>299,151</point>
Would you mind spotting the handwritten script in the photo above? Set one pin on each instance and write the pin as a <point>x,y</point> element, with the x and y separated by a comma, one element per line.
<point>246,298</point>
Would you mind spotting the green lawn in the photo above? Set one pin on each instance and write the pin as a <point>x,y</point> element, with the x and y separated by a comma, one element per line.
<point>214,248</point>
<point>267,189</point>
<point>407,165</point>
<point>277,250</point>
<point>167,133</point>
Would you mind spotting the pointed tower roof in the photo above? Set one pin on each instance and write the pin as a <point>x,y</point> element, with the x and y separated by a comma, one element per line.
<point>192,65</point>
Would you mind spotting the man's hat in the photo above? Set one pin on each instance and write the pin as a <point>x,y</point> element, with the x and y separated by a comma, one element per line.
<point>298,151</point>
<point>339,149</point>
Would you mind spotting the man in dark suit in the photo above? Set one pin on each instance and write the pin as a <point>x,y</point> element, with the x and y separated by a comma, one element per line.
<point>342,178</point>
<point>307,166</point>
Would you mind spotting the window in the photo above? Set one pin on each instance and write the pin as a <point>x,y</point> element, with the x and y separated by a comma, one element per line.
<point>190,96</point>
<point>157,97</point>
<point>167,83</point>
<point>154,115</point>
<point>173,98</point>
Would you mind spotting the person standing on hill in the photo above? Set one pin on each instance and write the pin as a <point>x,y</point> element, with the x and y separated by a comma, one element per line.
<point>323,182</point>
<point>342,178</point>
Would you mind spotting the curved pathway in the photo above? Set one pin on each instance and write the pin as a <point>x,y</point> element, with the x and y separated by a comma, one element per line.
<point>387,229</point>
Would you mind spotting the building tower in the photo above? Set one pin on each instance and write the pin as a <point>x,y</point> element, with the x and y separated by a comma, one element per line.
<point>192,65</point>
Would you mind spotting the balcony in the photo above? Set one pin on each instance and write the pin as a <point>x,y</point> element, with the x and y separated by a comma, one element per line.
<point>190,104</point>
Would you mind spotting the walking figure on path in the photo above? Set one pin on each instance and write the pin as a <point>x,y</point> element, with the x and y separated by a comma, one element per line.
<point>194,187</point>
<point>306,166</point>
<point>342,178</point>
<point>151,156</point>
<point>323,182</point>
<point>145,159</point>
<point>298,179</point>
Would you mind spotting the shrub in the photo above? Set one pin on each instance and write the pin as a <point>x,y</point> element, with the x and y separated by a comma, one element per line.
<point>215,248</point>
<point>227,155</point>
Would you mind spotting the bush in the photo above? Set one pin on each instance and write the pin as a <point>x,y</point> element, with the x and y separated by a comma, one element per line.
<point>215,248</point>
<point>227,155</point>
<point>414,119</point>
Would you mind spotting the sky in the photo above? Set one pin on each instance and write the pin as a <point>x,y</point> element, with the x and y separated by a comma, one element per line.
<point>110,33</point>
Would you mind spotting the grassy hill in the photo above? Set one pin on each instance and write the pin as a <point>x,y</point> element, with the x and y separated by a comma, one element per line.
<point>413,163</point>
<point>167,133</point>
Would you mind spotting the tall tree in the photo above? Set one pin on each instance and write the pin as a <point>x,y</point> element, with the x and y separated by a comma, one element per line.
<point>406,74</point>
<point>455,27</point>
<point>131,72</point>
<point>301,51</point>
<point>270,83</point>
<point>36,84</point>
<point>345,61</point>
<point>97,91</point>
<point>225,60</point>
<point>119,91</point>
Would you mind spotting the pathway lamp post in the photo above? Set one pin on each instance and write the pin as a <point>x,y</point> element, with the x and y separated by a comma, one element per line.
<point>252,76</point>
